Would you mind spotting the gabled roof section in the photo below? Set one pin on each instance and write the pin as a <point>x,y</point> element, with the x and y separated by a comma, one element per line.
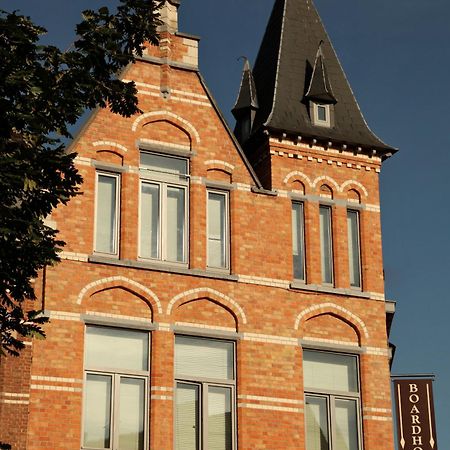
<point>319,86</point>
<point>289,71</point>
<point>247,98</point>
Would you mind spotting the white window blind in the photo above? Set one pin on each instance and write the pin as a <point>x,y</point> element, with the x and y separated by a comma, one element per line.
<point>298,246</point>
<point>131,413</point>
<point>346,421</point>
<point>219,418</point>
<point>175,224</point>
<point>217,230</point>
<point>106,214</point>
<point>163,164</point>
<point>326,246</point>
<point>187,429</point>
<point>205,358</point>
<point>97,411</point>
<point>150,232</point>
<point>330,371</point>
<point>353,248</point>
<point>317,435</point>
<point>116,348</point>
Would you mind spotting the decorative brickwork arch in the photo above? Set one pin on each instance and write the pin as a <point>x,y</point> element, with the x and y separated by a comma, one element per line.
<point>154,116</point>
<point>336,310</point>
<point>122,282</point>
<point>220,165</point>
<point>110,145</point>
<point>215,296</point>
<point>352,183</point>
<point>297,175</point>
<point>326,180</point>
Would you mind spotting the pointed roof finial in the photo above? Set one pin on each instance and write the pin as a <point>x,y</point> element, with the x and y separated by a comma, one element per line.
<point>319,86</point>
<point>247,97</point>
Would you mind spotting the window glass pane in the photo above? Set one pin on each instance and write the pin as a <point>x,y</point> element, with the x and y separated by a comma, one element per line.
<point>131,414</point>
<point>187,430</point>
<point>149,220</point>
<point>353,248</point>
<point>216,230</point>
<point>105,237</point>
<point>160,163</point>
<point>316,423</point>
<point>298,241</point>
<point>219,418</point>
<point>206,358</point>
<point>116,348</point>
<point>97,411</point>
<point>326,250</point>
<point>346,425</point>
<point>175,224</point>
<point>322,113</point>
<point>330,371</point>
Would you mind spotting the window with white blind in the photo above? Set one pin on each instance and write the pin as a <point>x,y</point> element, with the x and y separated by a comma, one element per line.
<point>354,251</point>
<point>116,389</point>
<point>218,230</point>
<point>107,210</point>
<point>205,394</point>
<point>332,401</point>
<point>326,244</point>
<point>298,241</point>
<point>163,208</point>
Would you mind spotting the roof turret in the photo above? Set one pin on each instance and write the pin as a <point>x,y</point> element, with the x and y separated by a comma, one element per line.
<point>297,65</point>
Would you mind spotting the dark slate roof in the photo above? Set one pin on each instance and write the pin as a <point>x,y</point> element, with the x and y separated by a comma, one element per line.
<point>247,97</point>
<point>283,75</point>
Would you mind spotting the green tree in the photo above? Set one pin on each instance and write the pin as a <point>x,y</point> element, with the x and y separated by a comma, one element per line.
<point>43,92</point>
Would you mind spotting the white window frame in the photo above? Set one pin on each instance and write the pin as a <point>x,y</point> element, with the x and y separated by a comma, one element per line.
<point>302,240</point>
<point>226,243</point>
<point>203,383</point>
<point>358,235</point>
<point>331,250</point>
<point>116,240</point>
<point>331,397</point>
<point>317,120</point>
<point>165,180</point>
<point>116,375</point>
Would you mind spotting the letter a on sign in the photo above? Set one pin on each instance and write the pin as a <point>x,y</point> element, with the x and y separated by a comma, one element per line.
<point>415,414</point>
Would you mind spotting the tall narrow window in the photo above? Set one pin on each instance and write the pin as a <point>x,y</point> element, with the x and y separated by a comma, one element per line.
<point>205,394</point>
<point>107,214</point>
<point>116,388</point>
<point>163,208</point>
<point>298,241</point>
<point>218,230</point>
<point>354,252</point>
<point>326,244</point>
<point>332,401</point>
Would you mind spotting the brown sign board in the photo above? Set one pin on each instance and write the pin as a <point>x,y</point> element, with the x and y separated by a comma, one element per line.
<point>416,428</point>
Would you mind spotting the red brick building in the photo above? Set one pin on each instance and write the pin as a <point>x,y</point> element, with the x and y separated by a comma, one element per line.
<point>217,292</point>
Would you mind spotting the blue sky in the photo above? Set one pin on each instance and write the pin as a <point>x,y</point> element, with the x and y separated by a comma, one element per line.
<point>396,55</point>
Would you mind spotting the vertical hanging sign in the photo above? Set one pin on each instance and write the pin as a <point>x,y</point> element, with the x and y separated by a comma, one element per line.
<point>416,428</point>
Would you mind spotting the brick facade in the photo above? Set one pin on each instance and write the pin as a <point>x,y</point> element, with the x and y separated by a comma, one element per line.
<point>256,303</point>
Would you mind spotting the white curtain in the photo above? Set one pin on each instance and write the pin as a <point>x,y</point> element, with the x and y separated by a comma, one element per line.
<point>175,224</point>
<point>187,430</point>
<point>219,418</point>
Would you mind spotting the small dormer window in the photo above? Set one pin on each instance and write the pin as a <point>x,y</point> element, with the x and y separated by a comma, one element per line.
<point>321,114</point>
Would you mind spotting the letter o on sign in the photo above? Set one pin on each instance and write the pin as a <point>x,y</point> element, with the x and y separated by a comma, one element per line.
<point>414,398</point>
